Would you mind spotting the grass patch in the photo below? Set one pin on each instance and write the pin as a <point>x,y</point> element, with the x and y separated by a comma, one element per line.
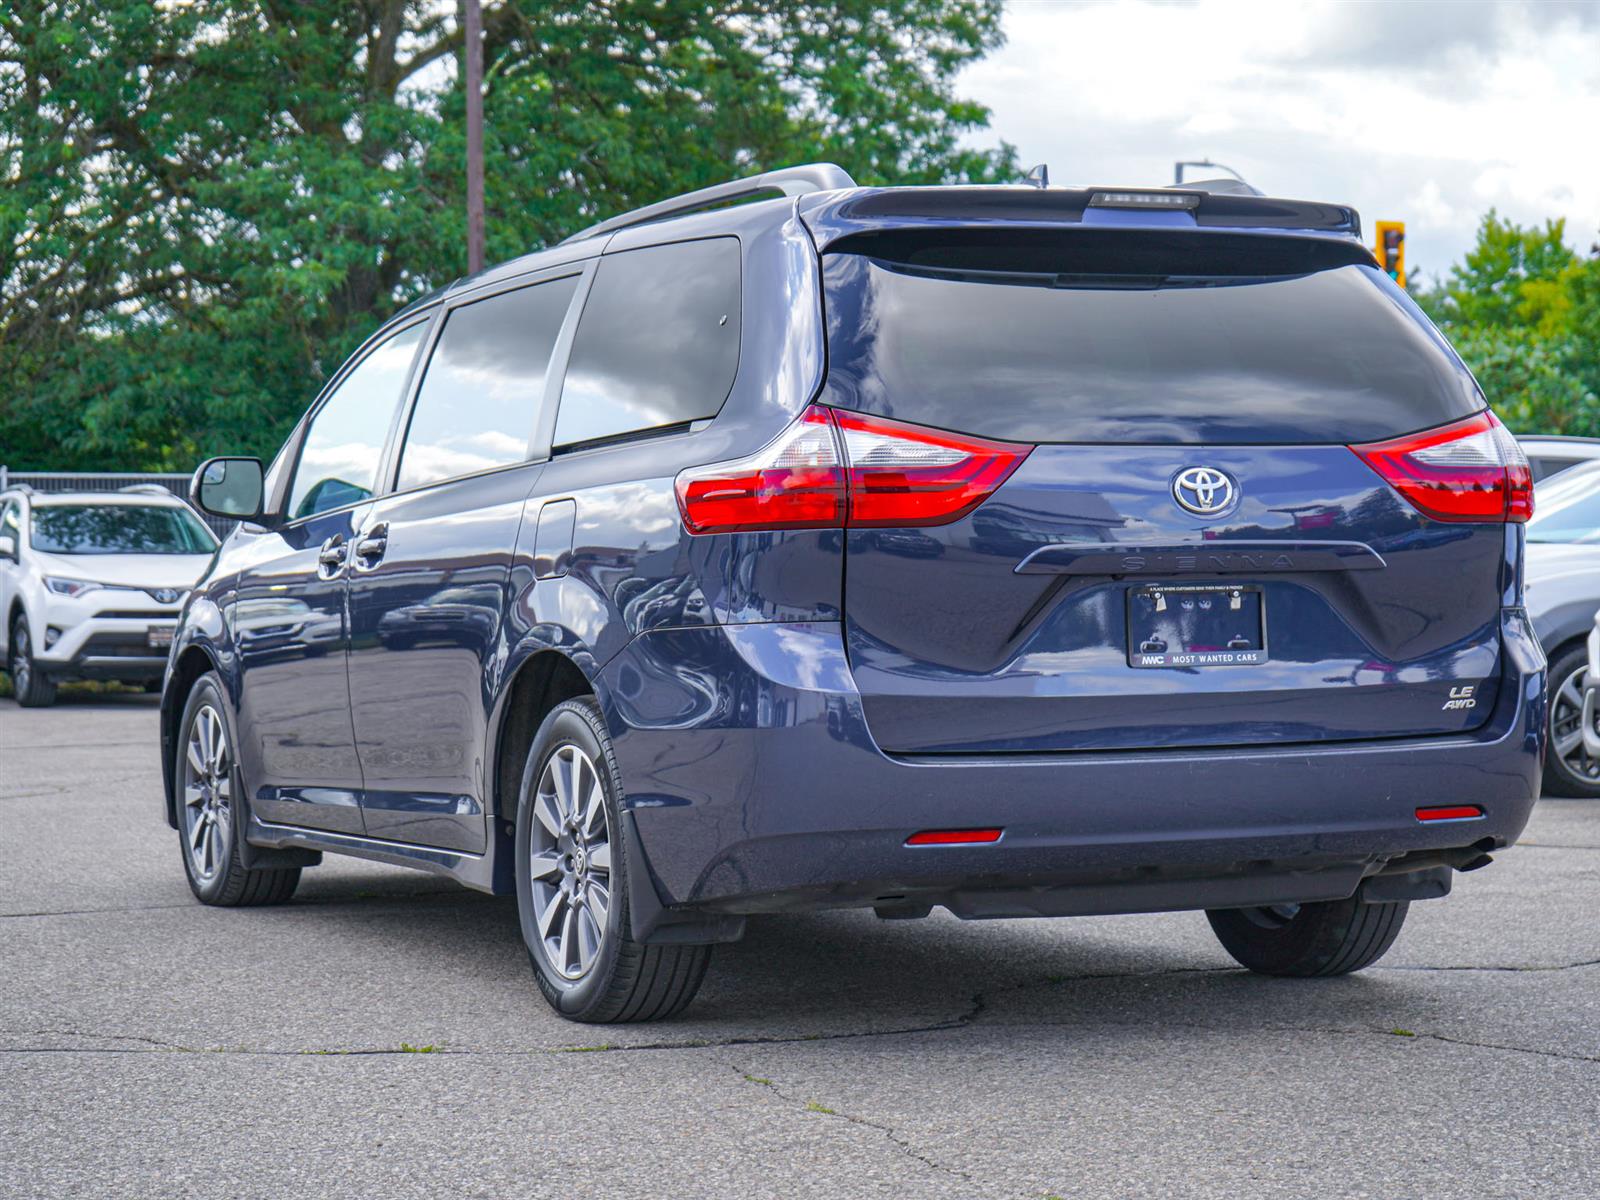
<point>1402,1033</point>
<point>758,1079</point>
<point>408,1048</point>
<point>813,1106</point>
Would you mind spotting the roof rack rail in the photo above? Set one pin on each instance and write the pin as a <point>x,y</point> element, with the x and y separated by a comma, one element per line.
<point>146,489</point>
<point>790,181</point>
<point>1219,187</point>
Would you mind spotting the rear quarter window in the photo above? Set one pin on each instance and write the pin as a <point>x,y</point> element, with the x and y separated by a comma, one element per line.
<point>657,344</point>
<point>1333,355</point>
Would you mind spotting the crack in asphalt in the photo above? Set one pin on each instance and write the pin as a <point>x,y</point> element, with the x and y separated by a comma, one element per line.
<point>975,1009</point>
<point>894,1136</point>
<point>1513,969</point>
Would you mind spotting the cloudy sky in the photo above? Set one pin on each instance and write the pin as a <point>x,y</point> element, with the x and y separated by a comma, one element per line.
<point>1427,111</point>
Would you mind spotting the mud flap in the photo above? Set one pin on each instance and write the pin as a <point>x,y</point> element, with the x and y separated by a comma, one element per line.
<point>653,923</point>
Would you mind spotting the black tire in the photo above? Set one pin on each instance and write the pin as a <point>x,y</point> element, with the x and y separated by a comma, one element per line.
<point>1574,773</point>
<point>1302,941</point>
<point>624,981</point>
<point>214,873</point>
<point>32,688</point>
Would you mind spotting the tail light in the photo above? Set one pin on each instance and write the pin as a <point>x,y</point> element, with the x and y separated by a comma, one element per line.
<point>1472,470</point>
<point>832,469</point>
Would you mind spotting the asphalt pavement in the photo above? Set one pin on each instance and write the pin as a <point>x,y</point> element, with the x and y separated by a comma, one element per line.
<point>382,1036</point>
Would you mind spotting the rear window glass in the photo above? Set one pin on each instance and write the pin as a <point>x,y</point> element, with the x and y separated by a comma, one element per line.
<point>119,529</point>
<point>658,342</point>
<point>1063,355</point>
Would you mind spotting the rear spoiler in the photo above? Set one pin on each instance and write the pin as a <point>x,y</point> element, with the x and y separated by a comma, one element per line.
<point>831,216</point>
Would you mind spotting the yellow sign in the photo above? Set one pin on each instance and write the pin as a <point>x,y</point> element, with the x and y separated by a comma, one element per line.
<point>1391,249</point>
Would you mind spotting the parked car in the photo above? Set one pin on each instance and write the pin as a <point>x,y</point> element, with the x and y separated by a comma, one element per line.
<point>1020,551</point>
<point>91,583</point>
<point>1563,593</point>
<point>1549,454</point>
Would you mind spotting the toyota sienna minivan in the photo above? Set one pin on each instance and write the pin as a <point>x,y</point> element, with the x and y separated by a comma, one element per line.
<point>1020,551</point>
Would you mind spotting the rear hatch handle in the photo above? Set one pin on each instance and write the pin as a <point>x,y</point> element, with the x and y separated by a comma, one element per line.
<point>1214,558</point>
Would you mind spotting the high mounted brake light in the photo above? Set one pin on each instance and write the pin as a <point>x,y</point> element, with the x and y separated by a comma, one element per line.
<point>1144,200</point>
<point>1471,470</point>
<point>833,469</point>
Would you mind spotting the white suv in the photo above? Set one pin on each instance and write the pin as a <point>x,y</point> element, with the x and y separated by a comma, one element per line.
<point>91,584</point>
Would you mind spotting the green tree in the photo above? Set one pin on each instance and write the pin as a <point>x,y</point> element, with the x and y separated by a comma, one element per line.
<point>1523,310</point>
<point>207,205</point>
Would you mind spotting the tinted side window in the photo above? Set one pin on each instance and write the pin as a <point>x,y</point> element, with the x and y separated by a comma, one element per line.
<point>658,343</point>
<point>480,399</point>
<point>343,448</point>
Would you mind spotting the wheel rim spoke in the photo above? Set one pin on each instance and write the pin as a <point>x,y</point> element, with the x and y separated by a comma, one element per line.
<point>568,942</point>
<point>589,935</point>
<point>594,817</point>
<point>563,789</point>
<point>544,807</point>
<point>600,904</point>
<point>544,864</point>
<point>600,858</point>
<point>547,918</point>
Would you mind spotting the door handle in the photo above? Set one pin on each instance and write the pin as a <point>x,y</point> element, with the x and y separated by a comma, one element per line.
<point>331,558</point>
<point>371,545</point>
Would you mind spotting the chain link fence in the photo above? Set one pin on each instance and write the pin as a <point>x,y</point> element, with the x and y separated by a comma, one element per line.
<point>106,481</point>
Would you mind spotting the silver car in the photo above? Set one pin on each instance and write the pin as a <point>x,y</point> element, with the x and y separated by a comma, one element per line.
<point>1563,594</point>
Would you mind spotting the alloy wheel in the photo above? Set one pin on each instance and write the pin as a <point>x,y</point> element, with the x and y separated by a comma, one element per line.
<point>1566,729</point>
<point>207,793</point>
<point>570,862</point>
<point>21,660</point>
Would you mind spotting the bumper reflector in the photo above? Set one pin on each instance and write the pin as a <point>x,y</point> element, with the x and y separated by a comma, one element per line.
<point>1450,812</point>
<point>952,837</point>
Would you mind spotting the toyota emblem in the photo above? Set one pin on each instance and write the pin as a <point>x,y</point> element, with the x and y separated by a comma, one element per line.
<point>1203,490</point>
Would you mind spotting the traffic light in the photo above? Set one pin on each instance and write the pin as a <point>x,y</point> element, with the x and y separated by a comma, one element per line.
<point>1392,249</point>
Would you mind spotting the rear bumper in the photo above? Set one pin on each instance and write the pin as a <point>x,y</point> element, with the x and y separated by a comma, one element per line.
<point>755,787</point>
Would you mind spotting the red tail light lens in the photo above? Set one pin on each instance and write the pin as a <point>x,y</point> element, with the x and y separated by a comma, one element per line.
<point>833,468</point>
<point>907,475</point>
<point>797,482</point>
<point>1472,470</point>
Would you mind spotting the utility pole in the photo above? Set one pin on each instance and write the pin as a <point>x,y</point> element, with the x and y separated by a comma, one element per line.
<point>472,20</point>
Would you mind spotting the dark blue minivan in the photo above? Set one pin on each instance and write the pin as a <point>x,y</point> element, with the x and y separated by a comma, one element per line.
<point>1024,551</point>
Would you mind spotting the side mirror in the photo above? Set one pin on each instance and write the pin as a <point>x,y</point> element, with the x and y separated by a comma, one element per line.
<point>228,487</point>
<point>8,547</point>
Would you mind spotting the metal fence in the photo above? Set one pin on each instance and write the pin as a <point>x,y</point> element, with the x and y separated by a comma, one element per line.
<point>106,481</point>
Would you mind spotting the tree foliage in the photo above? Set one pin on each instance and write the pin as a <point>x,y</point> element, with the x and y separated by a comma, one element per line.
<point>1524,312</point>
<point>208,204</point>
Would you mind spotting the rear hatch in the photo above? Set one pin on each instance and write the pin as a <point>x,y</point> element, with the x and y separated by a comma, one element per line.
<point>1191,554</point>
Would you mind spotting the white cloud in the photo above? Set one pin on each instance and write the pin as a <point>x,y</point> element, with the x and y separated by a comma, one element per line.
<point>1424,112</point>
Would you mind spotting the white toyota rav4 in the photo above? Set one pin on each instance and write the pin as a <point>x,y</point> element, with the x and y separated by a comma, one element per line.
<point>91,584</point>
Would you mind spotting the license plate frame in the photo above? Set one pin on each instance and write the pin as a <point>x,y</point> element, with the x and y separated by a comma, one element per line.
<point>1189,626</point>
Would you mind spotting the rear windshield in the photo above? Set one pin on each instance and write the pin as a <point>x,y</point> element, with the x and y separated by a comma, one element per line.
<point>119,529</point>
<point>1039,354</point>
